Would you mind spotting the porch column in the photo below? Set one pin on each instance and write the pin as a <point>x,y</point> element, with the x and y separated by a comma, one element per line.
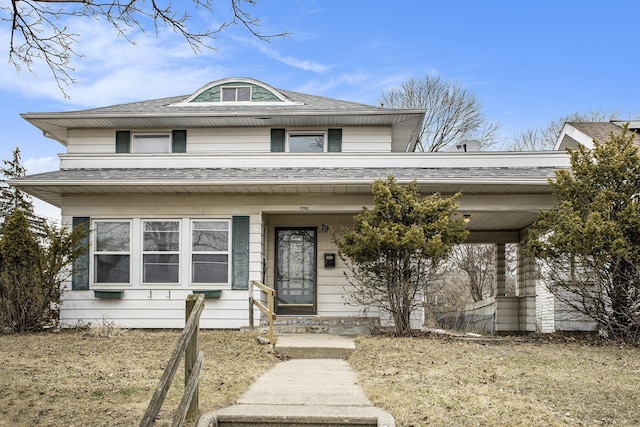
<point>527,272</point>
<point>526,288</point>
<point>501,275</point>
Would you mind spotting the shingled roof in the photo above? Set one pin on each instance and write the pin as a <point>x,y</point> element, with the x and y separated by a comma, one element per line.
<point>576,133</point>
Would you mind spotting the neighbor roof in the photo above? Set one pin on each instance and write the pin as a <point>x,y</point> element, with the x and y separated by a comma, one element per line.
<point>584,133</point>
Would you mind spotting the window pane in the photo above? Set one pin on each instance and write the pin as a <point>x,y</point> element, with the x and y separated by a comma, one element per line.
<point>151,144</point>
<point>244,94</point>
<point>112,268</point>
<point>210,268</point>
<point>161,236</point>
<point>210,236</point>
<point>112,236</point>
<point>159,268</point>
<point>306,143</point>
<point>228,93</point>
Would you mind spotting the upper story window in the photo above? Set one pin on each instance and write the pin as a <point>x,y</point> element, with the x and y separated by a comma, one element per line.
<point>329,141</point>
<point>307,143</point>
<point>236,94</point>
<point>151,143</point>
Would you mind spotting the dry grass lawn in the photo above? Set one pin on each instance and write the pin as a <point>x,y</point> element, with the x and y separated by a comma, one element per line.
<point>446,382</point>
<point>76,378</point>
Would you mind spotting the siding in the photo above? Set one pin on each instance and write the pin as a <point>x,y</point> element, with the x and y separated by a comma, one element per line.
<point>153,308</point>
<point>162,306</point>
<point>231,140</point>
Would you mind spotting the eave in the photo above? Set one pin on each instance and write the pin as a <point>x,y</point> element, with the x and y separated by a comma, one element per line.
<point>56,125</point>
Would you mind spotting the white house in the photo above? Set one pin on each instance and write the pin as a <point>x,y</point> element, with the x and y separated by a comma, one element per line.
<point>241,181</point>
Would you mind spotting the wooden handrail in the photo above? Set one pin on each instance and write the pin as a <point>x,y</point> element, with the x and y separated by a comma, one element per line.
<point>270,311</point>
<point>187,343</point>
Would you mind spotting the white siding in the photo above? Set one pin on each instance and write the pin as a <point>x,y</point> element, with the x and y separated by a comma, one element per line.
<point>236,140</point>
<point>91,141</point>
<point>152,308</point>
<point>231,140</point>
<point>366,140</point>
<point>545,317</point>
<point>162,306</point>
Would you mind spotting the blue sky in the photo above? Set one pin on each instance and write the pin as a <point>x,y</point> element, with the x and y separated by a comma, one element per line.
<point>529,62</point>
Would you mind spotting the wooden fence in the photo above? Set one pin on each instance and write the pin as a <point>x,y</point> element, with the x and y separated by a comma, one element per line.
<point>186,346</point>
<point>269,311</point>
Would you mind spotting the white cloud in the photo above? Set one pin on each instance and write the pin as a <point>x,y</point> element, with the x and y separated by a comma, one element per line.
<point>112,70</point>
<point>42,164</point>
<point>303,64</point>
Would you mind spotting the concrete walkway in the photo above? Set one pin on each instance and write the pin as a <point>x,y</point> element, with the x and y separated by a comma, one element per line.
<point>313,392</point>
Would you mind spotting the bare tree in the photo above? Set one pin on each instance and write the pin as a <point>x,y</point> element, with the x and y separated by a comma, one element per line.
<point>545,139</point>
<point>477,261</point>
<point>453,112</point>
<point>38,31</point>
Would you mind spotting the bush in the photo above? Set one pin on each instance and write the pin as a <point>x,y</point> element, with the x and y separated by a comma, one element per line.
<point>32,271</point>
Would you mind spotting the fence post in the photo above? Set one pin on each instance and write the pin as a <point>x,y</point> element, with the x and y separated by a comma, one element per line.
<point>271,341</point>
<point>251,304</point>
<point>190,356</point>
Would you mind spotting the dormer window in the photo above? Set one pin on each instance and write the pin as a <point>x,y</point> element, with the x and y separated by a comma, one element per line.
<point>241,90</point>
<point>236,94</point>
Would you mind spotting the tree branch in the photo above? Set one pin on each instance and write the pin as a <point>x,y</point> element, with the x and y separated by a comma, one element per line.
<point>37,35</point>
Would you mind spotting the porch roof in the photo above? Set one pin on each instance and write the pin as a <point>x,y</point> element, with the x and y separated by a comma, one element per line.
<point>50,186</point>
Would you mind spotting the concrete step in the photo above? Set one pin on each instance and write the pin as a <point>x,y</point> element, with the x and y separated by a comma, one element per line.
<point>323,325</point>
<point>253,416</point>
<point>315,346</point>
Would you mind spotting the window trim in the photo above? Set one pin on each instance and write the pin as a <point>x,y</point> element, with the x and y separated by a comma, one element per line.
<point>322,133</point>
<point>95,252</point>
<point>228,252</point>
<point>143,252</point>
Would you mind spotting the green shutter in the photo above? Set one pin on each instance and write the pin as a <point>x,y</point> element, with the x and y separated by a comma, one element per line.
<point>240,252</point>
<point>80,275</point>
<point>277,140</point>
<point>123,141</point>
<point>335,141</point>
<point>179,141</point>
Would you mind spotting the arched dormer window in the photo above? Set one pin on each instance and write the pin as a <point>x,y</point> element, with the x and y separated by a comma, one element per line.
<point>236,91</point>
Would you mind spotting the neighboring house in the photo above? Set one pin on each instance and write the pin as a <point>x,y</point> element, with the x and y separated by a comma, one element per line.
<point>584,133</point>
<point>240,181</point>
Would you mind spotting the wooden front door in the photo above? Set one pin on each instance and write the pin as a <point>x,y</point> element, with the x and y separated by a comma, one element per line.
<point>296,270</point>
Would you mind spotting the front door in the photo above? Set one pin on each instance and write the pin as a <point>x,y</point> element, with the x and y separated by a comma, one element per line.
<point>296,270</point>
